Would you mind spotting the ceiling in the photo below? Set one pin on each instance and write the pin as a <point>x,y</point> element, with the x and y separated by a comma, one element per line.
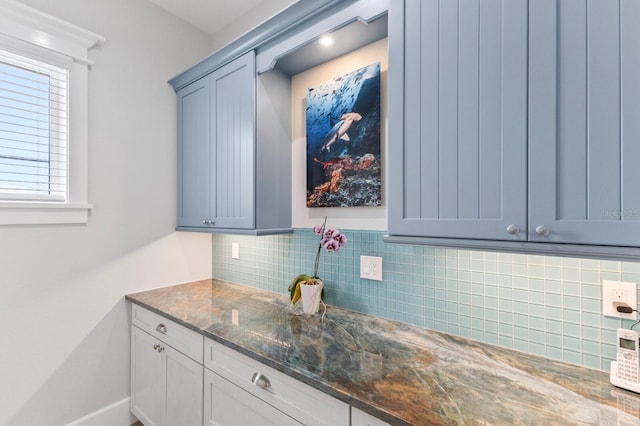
<point>348,38</point>
<point>216,16</point>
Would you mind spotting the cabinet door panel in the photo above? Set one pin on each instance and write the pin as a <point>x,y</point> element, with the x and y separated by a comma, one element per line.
<point>583,145</point>
<point>228,405</point>
<point>194,182</point>
<point>147,381</point>
<point>184,389</point>
<point>630,85</point>
<point>468,113</point>
<point>232,126</point>
<point>458,168</point>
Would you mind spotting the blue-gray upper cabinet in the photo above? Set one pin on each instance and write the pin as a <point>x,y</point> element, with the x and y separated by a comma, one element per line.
<point>584,122</point>
<point>516,113</point>
<point>458,119</point>
<point>234,168</point>
<point>194,154</point>
<point>232,98</point>
<point>216,117</point>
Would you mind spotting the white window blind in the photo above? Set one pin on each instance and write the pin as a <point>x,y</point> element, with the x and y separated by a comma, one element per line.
<point>33,129</point>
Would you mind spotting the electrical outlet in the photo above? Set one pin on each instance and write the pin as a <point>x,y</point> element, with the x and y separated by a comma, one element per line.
<point>619,295</point>
<point>617,292</point>
<point>371,268</point>
<point>235,251</point>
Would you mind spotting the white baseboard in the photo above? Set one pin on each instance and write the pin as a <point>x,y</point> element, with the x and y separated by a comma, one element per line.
<point>116,414</point>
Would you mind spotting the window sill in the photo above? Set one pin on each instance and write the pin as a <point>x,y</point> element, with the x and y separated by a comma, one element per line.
<point>38,213</point>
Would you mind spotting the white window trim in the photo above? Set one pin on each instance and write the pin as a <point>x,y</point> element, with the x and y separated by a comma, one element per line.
<point>43,35</point>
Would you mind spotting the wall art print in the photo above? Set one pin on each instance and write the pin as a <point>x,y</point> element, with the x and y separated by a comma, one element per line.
<point>343,140</point>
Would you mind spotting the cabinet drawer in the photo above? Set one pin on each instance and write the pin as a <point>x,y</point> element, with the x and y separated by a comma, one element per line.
<point>179,337</point>
<point>228,405</point>
<point>298,400</point>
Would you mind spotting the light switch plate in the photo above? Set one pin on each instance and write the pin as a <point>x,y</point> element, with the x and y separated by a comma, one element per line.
<point>371,268</point>
<point>618,292</point>
<point>235,251</point>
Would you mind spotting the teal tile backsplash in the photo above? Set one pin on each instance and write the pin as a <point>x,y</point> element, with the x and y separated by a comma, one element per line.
<point>545,305</point>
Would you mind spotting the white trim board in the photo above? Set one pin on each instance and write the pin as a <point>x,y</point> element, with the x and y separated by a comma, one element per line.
<point>116,414</point>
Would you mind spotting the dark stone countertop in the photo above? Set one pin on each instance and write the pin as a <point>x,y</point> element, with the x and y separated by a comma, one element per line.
<point>399,373</point>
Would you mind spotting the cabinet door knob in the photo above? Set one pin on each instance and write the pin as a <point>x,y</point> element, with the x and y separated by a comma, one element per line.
<point>160,348</point>
<point>161,328</point>
<point>542,230</point>
<point>513,229</point>
<point>208,222</point>
<point>261,381</point>
<point>156,346</point>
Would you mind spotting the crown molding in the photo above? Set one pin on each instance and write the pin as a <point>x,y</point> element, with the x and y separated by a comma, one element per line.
<point>30,25</point>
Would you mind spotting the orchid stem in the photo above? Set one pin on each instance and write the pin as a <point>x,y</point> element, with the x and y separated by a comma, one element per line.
<point>315,268</point>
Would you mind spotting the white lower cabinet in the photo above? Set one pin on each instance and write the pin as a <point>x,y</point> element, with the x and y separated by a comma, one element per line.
<point>147,384</point>
<point>241,390</point>
<point>170,385</point>
<point>360,418</point>
<point>166,384</point>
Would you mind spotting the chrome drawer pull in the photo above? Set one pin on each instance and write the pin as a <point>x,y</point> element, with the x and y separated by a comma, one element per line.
<point>161,328</point>
<point>261,381</point>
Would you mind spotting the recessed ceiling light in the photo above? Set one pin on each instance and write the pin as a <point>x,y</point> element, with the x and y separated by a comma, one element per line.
<point>326,41</point>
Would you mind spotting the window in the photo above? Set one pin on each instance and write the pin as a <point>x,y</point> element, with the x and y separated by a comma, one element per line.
<point>33,130</point>
<point>44,68</point>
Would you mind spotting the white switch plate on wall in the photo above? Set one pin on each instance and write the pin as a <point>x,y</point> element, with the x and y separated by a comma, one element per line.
<point>371,268</point>
<point>235,251</point>
<point>620,292</point>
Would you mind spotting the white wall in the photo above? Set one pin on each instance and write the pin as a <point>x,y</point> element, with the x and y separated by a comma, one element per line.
<point>373,218</point>
<point>251,19</point>
<point>65,337</point>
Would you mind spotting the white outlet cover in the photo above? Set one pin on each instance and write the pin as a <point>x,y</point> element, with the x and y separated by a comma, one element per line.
<point>371,268</point>
<point>235,251</point>
<point>610,289</point>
